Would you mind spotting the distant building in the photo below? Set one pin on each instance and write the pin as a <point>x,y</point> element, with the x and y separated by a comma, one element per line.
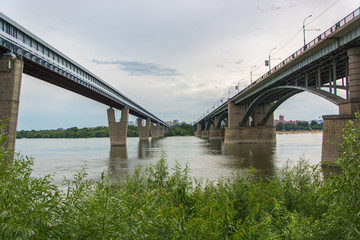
<point>170,123</point>
<point>175,122</point>
<point>282,120</point>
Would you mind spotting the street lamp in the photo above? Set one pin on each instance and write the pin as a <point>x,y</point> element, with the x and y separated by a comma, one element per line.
<point>238,85</point>
<point>251,73</point>
<point>269,58</point>
<point>304,27</point>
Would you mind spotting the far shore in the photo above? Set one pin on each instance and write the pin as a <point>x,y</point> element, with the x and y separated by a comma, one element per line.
<point>293,132</point>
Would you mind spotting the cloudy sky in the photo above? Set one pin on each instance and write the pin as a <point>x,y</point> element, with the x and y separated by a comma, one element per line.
<point>175,58</point>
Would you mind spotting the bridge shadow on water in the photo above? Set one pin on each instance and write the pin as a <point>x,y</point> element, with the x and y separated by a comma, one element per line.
<point>243,156</point>
<point>208,157</point>
<point>121,163</point>
<point>118,164</point>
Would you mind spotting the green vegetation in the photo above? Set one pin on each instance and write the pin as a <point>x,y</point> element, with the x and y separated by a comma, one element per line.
<point>300,126</point>
<point>73,132</point>
<point>180,130</point>
<point>158,203</point>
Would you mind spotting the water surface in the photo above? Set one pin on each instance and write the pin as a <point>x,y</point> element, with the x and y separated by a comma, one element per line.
<point>206,159</point>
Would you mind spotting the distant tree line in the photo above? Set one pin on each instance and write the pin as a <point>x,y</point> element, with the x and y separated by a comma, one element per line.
<point>180,130</point>
<point>300,126</point>
<point>74,132</point>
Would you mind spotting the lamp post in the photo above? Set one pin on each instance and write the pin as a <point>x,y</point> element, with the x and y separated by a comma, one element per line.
<point>304,27</point>
<point>269,58</point>
<point>238,85</point>
<point>251,73</point>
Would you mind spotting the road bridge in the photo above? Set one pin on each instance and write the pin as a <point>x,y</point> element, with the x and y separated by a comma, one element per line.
<point>23,52</point>
<point>328,66</point>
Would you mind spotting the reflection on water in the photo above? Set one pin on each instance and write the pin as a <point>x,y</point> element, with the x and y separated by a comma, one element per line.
<point>239,156</point>
<point>258,156</point>
<point>118,163</point>
<point>206,159</point>
<point>143,150</point>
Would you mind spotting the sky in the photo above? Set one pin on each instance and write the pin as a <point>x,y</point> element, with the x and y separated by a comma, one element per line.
<point>176,58</point>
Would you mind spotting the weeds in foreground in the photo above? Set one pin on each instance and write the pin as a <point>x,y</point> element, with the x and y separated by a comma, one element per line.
<point>156,203</point>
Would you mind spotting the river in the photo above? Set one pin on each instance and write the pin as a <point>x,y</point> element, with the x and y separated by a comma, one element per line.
<point>206,159</point>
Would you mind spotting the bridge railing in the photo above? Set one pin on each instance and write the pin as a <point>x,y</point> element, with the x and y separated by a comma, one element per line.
<point>312,43</point>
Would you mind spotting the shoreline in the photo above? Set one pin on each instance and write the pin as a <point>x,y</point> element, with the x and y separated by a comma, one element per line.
<point>298,132</point>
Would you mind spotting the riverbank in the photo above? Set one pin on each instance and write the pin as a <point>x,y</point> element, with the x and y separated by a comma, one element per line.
<point>298,132</point>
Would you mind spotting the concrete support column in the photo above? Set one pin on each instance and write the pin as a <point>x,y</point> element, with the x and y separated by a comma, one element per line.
<point>235,133</point>
<point>205,132</point>
<point>198,130</point>
<point>353,102</point>
<point>333,124</point>
<point>161,131</point>
<point>118,130</point>
<point>235,114</point>
<point>144,130</point>
<point>259,113</point>
<point>215,131</point>
<point>155,131</point>
<point>11,70</point>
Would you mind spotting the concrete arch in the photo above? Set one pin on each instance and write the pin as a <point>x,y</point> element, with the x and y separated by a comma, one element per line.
<point>276,105</point>
<point>209,123</point>
<point>223,116</point>
<point>293,90</point>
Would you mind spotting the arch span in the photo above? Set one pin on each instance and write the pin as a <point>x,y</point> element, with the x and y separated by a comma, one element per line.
<point>280,94</point>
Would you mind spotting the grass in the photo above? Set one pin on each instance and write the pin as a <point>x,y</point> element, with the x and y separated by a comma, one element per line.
<point>156,203</point>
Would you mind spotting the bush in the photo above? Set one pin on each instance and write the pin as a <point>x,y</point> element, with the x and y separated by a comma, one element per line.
<point>162,203</point>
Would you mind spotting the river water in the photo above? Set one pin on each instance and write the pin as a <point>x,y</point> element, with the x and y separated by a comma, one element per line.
<point>207,159</point>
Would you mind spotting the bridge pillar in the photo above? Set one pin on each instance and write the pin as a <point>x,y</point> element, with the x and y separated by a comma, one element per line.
<point>198,130</point>
<point>205,132</point>
<point>161,131</point>
<point>144,130</point>
<point>118,130</point>
<point>11,70</point>
<point>155,131</point>
<point>215,131</point>
<point>235,133</point>
<point>333,124</point>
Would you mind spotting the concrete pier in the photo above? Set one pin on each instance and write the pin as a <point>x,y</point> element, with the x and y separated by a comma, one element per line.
<point>215,130</point>
<point>333,124</point>
<point>144,130</point>
<point>155,131</point>
<point>162,131</point>
<point>198,130</point>
<point>11,70</point>
<point>118,130</point>
<point>261,134</point>
<point>216,133</point>
<point>205,133</point>
<point>253,132</point>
